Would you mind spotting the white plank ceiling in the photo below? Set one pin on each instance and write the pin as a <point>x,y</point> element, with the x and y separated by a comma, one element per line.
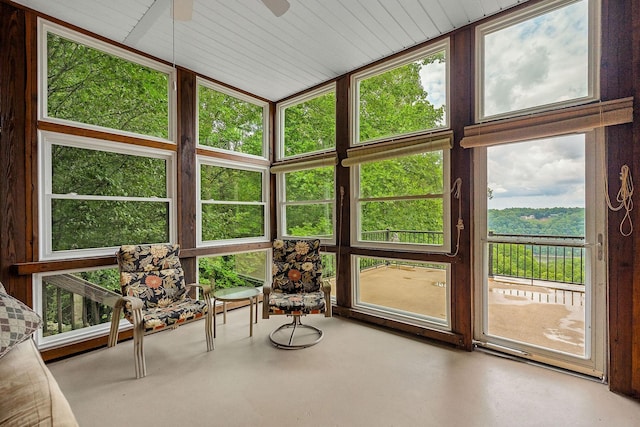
<point>241,43</point>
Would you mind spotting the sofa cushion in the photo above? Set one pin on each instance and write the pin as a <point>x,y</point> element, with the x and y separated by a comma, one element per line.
<point>30,394</point>
<point>17,322</point>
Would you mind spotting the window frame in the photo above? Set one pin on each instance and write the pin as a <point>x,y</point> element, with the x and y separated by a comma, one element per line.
<point>397,314</point>
<point>280,121</point>
<point>201,82</point>
<point>282,202</point>
<point>228,164</point>
<point>356,220</point>
<point>75,335</point>
<point>45,140</point>
<point>527,13</point>
<point>45,27</point>
<point>400,61</point>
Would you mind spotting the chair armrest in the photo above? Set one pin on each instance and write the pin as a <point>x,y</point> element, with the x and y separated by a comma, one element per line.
<point>207,297</point>
<point>207,290</point>
<point>136,305</point>
<point>326,288</point>
<point>266,290</point>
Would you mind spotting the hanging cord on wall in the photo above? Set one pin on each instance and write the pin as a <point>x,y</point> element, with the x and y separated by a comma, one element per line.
<point>624,197</point>
<point>455,190</point>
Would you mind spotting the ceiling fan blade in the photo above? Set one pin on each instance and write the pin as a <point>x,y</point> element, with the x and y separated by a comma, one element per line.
<point>277,7</point>
<point>182,10</point>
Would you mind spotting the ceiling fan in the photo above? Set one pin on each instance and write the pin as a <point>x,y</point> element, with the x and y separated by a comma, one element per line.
<point>183,9</point>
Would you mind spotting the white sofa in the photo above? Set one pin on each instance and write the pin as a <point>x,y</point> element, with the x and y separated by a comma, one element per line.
<point>30,395</point>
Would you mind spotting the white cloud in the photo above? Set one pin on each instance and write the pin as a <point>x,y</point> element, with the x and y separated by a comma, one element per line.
<point>542,173</point>
<point>536,62</point>
<point>433,79</point>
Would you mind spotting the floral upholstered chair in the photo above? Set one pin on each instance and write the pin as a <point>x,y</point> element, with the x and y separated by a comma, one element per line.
<point>155,296</point>
<point>297,289</point>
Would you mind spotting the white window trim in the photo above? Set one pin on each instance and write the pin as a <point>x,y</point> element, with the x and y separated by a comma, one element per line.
<point>522,16</point>
<point>200,82</point>
<point>282,203</point>
<point>396,314</point>
<point>69,337</point>
<point>356,221</point>
<point>264,170</point>
<point>280,116</point>
<point>389,65</point>
<point>45,27</point>
<point>46,139</point>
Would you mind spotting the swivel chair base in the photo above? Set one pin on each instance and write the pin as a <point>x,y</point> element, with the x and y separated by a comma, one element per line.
<point>302,342</point>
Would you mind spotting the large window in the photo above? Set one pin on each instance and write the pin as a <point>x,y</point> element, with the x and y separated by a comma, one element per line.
<point>307,124</point>
<point>306,178</point>
<point>98,195</point>
<point>231,121</point>
<point>401,195</point>
<point>406,96</point>
<point>233,201</point>
<point>96,85</point>
<point>542,57</point>
<point>417,292</point>
<point>75,304</point>
<point>306,203</point>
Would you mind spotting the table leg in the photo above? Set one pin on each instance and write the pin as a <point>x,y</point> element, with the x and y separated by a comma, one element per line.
<point>256,310</point>
<point>214,317</point>
<point>251,316</point>
<point>224,312</point>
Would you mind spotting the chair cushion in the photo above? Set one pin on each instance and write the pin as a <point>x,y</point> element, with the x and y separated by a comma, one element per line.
<point>155,288</point>
<point>152,273</point>
<point>180,312</point>
<point>297,266</point>
<point>307,303</point>
<point>133,258</point>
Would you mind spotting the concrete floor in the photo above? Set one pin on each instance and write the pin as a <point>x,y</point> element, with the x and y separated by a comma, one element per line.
<point>357,376</point>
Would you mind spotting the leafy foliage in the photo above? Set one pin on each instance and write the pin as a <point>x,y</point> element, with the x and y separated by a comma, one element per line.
<point>553,263</point>
<point>242,218</point>
<point>228,271</point>
<point>229,123</point>
<point>89,86</point>
<point>395,102</point>
<point>540,221</point>
<point>416,175</point>
<point>310,126</point>
<point>305,186</point>
<point>63,310</point>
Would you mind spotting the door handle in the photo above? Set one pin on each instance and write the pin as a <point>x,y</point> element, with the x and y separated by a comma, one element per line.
<point>600,246</point>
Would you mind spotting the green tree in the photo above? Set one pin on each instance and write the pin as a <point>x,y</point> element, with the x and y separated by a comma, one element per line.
<point>229,123</point>
<point>93,87</point>
<point>395,102</point>
<point>310,126</point>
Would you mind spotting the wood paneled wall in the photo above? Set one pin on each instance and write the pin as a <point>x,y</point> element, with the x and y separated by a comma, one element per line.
<point>620,77</point>
<point>15,241</point>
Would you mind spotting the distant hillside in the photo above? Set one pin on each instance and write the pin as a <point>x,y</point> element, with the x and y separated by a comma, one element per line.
<point>547,221</point>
